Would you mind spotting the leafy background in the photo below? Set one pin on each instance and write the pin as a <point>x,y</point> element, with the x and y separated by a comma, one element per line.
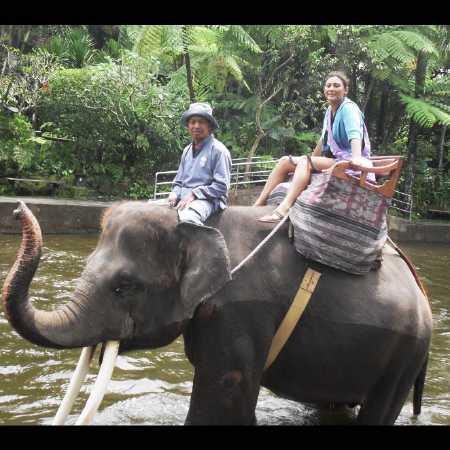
<point>98,106</point>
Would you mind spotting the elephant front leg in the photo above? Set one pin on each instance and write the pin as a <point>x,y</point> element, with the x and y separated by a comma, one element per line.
<point>225,399</point>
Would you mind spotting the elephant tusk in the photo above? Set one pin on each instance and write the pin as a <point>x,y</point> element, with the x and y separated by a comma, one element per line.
<point>98,391</point>
<point>75,385</point>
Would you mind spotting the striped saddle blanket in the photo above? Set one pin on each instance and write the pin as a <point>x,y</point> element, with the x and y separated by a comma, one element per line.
<point>337,222</point>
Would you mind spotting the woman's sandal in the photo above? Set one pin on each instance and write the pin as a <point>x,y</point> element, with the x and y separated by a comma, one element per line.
<point>275,217</point>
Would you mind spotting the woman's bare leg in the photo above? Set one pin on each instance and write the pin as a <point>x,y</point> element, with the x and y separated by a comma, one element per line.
<point>278,175</point>
<point>299,182</point>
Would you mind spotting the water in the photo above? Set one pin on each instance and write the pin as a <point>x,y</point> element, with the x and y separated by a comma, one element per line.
<point>153,387</point>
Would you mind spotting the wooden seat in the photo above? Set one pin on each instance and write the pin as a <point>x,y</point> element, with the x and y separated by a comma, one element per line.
<point>383,166</point>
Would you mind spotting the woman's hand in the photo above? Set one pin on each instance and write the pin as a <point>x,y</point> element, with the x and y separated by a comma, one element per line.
<point>357,161</point>
<point>356,152</point>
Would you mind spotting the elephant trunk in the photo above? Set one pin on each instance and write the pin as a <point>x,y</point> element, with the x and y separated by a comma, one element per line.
<point>57,329</point>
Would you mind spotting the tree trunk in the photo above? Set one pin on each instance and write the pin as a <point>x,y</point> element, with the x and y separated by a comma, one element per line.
<point>381,122</point>
<point>371,110</point>
<point>369,88</point>
<point>187,61</point>
<point>259,134</point>
<point>414,129</point>
<point>440,179</point>
<point>251,154</point>
<point>440,155</point>
<point>354,86</point>
<point>396,113</point>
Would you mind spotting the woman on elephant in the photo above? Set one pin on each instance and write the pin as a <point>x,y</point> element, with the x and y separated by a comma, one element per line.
<point>344,138</point>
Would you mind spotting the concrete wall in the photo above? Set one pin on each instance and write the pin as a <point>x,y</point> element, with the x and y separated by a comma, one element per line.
<point>70,216</point>
<point>54,216</point>
<point>419,231</point>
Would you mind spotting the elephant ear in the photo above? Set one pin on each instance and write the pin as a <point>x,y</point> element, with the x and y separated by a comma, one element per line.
<point>205,265</point>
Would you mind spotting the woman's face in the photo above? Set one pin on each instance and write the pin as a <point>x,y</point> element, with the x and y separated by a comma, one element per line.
<point>334,90</point>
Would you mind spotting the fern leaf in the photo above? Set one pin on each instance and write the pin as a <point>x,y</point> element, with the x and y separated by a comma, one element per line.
<point>390,45</point>
<point>424,113</point>
<point>439,87</point>
<point>149,41</point>
<point>233,67</point>
<point>416,40</point>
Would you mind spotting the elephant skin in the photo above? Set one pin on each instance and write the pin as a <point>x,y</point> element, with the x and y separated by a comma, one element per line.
<point>362,340</point>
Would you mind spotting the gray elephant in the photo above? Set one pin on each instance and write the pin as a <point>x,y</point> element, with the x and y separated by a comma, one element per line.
<point>362,340</point>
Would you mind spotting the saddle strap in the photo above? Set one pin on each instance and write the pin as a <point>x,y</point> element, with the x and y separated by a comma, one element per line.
<point>301,299</point>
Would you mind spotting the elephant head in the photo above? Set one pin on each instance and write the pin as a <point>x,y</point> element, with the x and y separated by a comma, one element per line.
<point>140,286</point>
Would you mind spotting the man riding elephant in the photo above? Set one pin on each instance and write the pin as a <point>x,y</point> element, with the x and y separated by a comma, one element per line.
<point>201,185</point>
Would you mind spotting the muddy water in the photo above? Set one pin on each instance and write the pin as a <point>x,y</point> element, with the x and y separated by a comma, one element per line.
<point>153,387</point>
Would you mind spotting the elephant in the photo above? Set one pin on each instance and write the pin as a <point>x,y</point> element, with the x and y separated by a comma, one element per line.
<point>362,341</point>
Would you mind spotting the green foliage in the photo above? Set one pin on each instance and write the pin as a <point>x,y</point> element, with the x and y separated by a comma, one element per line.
<point>426,114</point>
<point>122,121</point>
<point>214,52</point>
<point>24,77</point>
<point>306,140</point>
<point>19,149</point>
<point>401,45</point>
<point>114,111</point>
<point>140,191</point>
<point>74,47</point>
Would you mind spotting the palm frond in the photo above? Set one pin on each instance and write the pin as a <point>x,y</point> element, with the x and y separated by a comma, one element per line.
<point>246,41</point>
<point>424,113</point>
<point>417,41</point>
<point>203,85</point>
<point>444,107</point>
<point>235,34</point>
<point>149,40</point>
<point>201,36</point>
<point>389,45</point>
<point>439,87</point>
<point>233,67</point>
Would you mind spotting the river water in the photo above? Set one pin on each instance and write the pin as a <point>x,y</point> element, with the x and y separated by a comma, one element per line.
<point>153,387</point>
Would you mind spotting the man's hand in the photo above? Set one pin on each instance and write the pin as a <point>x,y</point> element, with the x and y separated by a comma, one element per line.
<point>172,199</point>
<point>185,201</point>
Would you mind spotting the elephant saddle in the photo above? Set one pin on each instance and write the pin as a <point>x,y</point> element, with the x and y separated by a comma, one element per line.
<point>340,220</point>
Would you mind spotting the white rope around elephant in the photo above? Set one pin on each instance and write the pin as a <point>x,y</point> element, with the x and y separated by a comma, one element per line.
<point>260,245</point>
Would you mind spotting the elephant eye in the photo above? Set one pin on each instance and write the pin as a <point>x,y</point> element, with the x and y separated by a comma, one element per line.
<point>125,284</point>
<point>118,291</point>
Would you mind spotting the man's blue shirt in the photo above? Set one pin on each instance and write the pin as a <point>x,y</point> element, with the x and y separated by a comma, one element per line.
<point>206,172</point>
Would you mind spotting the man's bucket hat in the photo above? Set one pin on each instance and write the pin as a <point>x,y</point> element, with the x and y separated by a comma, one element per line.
<point>199,109</point>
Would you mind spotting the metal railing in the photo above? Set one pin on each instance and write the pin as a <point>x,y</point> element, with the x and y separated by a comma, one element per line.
<point>240,177</point>
<point>402,202</point>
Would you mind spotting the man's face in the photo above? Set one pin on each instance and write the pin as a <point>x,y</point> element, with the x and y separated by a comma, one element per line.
<point>199,128</point>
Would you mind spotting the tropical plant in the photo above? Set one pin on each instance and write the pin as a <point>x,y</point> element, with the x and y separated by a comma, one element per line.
<point>210,54</point>
<point>120,121</point>
<point>406,57</point>
<point>74,46</point>
<point>19,149</point>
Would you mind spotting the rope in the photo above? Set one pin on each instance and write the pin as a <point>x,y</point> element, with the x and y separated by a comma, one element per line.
<point>260,245</point>
<point>410,265</point>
